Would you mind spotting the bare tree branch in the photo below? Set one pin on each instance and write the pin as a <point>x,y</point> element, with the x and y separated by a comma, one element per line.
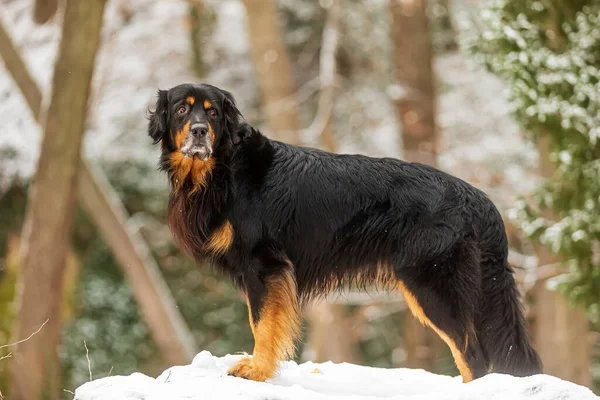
<point>17,68</point>
<point>87,356</point>
<point>327,72</point>
<point>50,202</point>
<point>24,340</point>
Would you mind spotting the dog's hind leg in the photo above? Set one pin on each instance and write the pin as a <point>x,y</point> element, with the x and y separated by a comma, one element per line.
<point>274,318</point>
<point>444,294</point>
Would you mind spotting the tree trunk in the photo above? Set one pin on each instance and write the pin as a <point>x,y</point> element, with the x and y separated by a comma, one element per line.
<point>202,18</point>
<point>445,27</point>
<point>159,310</point>
<point>274,72</point>
<point>561,334</point>
<point>327,77</point>
<point>48,224</point>
<point>415,106</point>
<point>44,10</point>
<point>414,73</point>
<point>330,338</point>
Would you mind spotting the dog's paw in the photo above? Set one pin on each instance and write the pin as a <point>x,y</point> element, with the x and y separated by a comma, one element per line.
<point>247,370</point>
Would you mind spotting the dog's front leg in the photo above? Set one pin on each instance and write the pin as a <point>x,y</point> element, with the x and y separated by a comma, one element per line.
<point>275,321</point>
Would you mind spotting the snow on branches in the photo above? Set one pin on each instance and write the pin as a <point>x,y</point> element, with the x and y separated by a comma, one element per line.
<point>548,54</point>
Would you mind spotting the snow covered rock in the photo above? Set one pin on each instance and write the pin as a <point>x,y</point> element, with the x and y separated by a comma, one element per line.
<point>206,378</point>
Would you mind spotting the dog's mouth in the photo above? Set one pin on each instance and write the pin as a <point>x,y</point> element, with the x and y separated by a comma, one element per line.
<point>202,152</point>
<point>196,148</point>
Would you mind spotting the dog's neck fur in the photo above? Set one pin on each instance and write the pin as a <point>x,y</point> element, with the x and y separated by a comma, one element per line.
<point>195,209</point>
<point>194,212</point>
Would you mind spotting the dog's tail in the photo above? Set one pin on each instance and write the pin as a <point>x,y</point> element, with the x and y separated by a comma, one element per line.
<point>502,331</point>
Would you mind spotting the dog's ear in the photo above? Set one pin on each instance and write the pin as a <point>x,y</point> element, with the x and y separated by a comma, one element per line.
<point>159,118</point>
<point>243,132</point>
<point>232,115</point>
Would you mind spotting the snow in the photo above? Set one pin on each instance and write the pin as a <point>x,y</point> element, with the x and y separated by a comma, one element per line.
<point>206,378</point>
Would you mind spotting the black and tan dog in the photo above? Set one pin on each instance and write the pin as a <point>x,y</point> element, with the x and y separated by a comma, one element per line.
<point>289,223</point>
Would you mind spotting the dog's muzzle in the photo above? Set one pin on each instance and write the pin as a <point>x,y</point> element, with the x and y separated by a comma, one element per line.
<point>198,142</point>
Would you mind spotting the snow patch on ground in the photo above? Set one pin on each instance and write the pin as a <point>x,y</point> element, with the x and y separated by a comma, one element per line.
<point>206,378</point>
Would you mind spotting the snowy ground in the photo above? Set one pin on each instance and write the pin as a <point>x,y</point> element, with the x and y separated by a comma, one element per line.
<point>206,378</point>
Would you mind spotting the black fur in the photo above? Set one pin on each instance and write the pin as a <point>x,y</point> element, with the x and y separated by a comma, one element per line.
<point>353,219</point>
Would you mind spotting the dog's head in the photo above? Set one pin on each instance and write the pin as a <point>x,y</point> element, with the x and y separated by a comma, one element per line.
<point>196,120</point>
<point>195,124</point>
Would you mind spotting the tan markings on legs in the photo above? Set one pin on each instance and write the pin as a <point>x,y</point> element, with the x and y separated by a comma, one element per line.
<point>220,241</point>
<point>417,311</point>
<point>276,331</point>
<point>191,100</point>
<point>250,317</point>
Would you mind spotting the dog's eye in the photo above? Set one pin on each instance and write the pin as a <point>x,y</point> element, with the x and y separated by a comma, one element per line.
<point>182,109</point>
<point>212,112</point>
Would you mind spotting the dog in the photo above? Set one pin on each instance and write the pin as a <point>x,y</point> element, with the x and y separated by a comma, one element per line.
<point>288,224</point>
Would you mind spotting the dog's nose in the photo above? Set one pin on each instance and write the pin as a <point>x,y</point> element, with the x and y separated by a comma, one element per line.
<point>199,130</point>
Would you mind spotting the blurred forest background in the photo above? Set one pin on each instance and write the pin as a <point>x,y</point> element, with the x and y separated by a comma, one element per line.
<point>502,93</point>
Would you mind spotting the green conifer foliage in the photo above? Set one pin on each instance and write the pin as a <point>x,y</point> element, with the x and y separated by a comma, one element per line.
<point>548,54</point>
